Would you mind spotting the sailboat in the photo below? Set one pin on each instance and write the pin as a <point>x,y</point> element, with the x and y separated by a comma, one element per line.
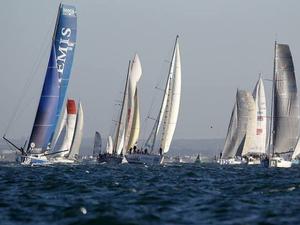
<point>54,89</point>
<point>167,117</point>
<point>128,124</point>
<point>258,151</point>
<point>73,123</point>
<point>97,145</point>
<point>198,159</point>
<point>284,128</point>
<point>240,134</point>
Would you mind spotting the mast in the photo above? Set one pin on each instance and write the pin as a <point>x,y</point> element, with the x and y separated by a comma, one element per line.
<point>165,93</point>
<point>121,113</point>
<point>271,134</point>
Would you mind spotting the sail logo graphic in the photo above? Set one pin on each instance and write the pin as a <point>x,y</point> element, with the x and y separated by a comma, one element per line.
<point>68,12</point>
<point>64,46</point>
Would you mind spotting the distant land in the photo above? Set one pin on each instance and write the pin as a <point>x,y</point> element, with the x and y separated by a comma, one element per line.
<point>182,147</point>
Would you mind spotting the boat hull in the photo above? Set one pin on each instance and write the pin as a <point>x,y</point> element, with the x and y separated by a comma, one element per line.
<point>230,162</point>
<point>111,159</point>
<point>279,163</point>
<point>146,159</point>
<point>37,159</point>
<point>62,160</point>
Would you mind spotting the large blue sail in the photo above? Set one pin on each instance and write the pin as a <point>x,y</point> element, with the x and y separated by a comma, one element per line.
<point>64,39</point>
<point>46,113</point>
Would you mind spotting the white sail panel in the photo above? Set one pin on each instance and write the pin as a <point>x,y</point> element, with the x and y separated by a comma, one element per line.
<point>230,140</point>
<point>134,76</point>
<point>249,143</point>
<point>74,152</point>
<point>261,118</point>
<point>285,130</point>
<point>296,152</point>
<point>70,127</point>
<point>173,101</point>
<point>135,131</point>
<point>237,130</point>
<point>109,145</point>
<point>58,138</point>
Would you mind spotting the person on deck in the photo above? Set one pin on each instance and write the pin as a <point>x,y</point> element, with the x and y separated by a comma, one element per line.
<point>160,151</point>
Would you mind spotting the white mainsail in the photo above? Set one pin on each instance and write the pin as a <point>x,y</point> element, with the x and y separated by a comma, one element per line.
<point>135,74</point>
<point>249,143</point>
<point>121,143</point>
<point>173,100</point>
<point>261,118</point>
<point>109,145</point>
<point>74,152</point>
<point>135,130</point>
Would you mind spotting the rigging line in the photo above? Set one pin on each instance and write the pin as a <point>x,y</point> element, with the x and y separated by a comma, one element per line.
<point>27,85</point>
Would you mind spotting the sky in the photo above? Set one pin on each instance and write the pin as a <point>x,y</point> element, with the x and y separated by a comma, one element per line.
<point>224,46</point>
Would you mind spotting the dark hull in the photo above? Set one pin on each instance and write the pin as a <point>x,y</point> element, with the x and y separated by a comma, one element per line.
<point>111,159</point>
<point>144,159</point>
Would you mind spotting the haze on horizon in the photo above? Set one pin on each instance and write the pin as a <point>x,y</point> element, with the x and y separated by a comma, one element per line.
<point>224,46</point>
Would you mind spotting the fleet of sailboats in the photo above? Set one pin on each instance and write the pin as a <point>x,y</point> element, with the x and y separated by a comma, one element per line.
<point>282,145</point>
<point>57,129</point>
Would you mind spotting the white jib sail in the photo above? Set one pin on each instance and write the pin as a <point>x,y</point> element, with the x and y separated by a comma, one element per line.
<point>57,135</point>
<point>74,152</point>
<point>249,143</point>
<point>261,118</point>
<point>70,125</point>
<point>173,101</point>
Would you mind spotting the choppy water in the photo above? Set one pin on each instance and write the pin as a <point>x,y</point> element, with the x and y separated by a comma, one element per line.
<point>131,194</point>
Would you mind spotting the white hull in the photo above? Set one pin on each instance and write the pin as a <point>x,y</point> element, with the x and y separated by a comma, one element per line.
<point>279,162</point>
<point>230,162</point>
<point>144,159</point>
<point>253,161</point>
<point>62,160</point>
<point>36,159</point>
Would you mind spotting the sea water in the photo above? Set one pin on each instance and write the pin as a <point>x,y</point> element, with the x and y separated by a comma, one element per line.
<point>138,194</point>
